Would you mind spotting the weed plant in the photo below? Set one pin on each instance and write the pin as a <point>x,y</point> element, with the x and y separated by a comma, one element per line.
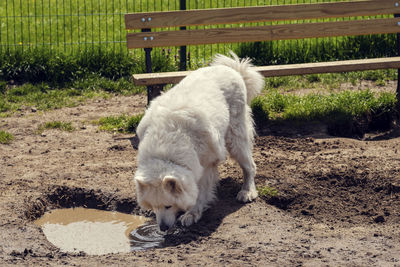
<point>57,125</point>
<point>267,191</point>
<point>123,123</point>
<point>5,137</point>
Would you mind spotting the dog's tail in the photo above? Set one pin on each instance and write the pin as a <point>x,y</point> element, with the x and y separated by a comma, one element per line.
<point>254,81</point>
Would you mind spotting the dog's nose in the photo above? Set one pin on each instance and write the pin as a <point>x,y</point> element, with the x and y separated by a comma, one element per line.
<point>164,227</point>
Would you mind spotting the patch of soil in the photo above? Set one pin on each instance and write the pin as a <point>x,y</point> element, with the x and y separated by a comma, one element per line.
<point>350,191</point>
<point>338,200</point>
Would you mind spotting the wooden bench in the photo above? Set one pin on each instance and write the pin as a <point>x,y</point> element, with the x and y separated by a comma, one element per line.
<point>340,19</point>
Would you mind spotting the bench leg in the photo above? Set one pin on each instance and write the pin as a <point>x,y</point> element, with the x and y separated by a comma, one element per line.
<point>153,91</point>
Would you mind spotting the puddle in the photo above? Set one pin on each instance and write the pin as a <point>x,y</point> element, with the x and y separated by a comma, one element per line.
<point>146,236</point>
<point>98,232</point>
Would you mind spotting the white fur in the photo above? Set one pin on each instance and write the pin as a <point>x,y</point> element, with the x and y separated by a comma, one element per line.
<point>187,131</point>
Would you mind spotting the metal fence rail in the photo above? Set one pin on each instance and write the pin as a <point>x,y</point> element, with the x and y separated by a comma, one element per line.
<point>71,26</point>
<point>66,25</point>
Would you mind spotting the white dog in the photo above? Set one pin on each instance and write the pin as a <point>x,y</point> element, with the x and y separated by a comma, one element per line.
<point>187,131</point>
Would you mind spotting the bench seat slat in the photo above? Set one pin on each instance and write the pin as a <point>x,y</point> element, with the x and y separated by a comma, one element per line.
<point>259,13</point>
<point>283,70</point>
<point>263,33</point>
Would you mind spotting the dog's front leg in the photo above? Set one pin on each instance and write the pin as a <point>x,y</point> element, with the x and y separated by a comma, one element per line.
<point>192,216</point>
<point>206,195</point>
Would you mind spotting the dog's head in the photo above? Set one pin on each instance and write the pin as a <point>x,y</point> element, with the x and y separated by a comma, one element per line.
<point>167,195</point>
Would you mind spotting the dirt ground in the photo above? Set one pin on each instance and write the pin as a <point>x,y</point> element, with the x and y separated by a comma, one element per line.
<point>338,201</point>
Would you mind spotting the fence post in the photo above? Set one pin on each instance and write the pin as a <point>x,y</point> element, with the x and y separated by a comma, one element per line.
<point>182,51</point>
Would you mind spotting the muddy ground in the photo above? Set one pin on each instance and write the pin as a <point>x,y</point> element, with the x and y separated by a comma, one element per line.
<point>338,199</point>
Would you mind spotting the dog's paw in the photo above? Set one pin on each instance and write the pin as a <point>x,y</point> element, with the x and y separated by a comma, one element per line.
<point>247,195</point>
<point>190,218</point>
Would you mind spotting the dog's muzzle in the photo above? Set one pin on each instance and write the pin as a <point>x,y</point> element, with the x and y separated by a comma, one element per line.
<point>164,227</point>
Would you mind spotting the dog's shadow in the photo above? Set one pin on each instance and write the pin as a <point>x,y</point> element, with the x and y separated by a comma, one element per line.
<point>212,218</point>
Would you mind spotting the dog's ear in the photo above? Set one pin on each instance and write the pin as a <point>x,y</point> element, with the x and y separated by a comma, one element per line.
<point>140,185</point>
<point>172,185</point>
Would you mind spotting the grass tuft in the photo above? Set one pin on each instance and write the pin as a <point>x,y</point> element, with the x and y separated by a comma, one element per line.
<point>133,123</point>
<point>267,191</point>
<point>58,125</point>
<point>122,124</point>
<point>5,137</point>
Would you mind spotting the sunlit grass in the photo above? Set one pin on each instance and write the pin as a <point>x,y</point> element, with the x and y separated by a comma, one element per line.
<point>56,125</point>
<point>321,107</point>
<point>5,137</point>
<point>122,123</point>
<point>42,97</point>
<point>267,191</point>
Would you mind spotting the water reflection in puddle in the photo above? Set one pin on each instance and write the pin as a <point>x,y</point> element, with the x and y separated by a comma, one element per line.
<point>98,232</point>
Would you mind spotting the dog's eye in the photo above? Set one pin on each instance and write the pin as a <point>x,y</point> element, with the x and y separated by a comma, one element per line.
<point>167,207</point>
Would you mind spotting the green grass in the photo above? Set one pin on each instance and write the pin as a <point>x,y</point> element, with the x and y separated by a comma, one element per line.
<point>44,96</point>
<point>330,81</point>
<point>267,191</point>
<point>5,137</point>
<point>58,69</point>
<point>66,70</point>
<point>122,123</point>
<point>339,109</point>
<point>319,49</point>
<point>73,25</point>
<point>56,125</point>
<point>276,104</point>
<point>325,102</point>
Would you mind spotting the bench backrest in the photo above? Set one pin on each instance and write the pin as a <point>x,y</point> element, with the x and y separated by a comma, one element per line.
<point>296,28</point>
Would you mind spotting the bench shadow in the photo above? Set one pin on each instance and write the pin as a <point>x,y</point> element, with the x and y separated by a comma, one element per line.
<point>322,131</point>
<point>211,219</point>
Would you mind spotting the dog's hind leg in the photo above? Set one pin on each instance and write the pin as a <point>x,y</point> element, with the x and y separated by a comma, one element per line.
<point>248,191</point>
<point>240,143</point>
<point>207,187</point>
